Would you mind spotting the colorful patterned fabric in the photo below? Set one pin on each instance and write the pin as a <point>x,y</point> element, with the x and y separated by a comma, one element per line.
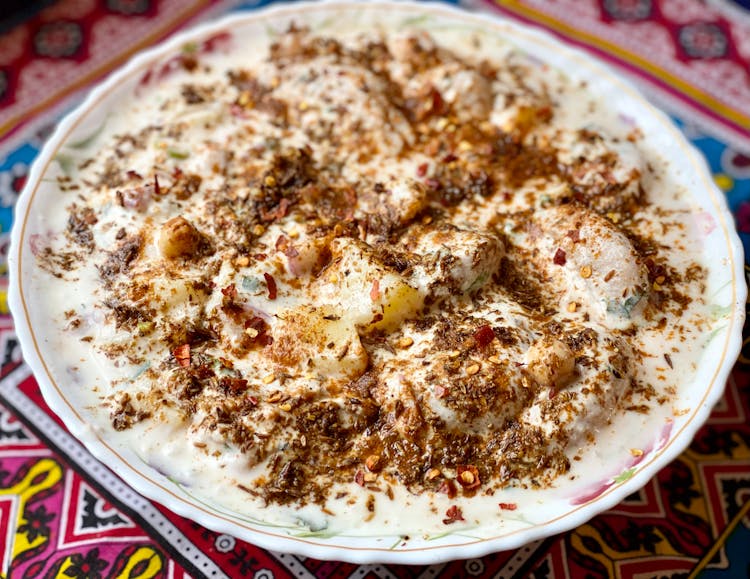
<point>64,514</point>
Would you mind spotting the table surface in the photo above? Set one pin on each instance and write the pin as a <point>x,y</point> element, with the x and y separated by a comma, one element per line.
<point>63,514</point>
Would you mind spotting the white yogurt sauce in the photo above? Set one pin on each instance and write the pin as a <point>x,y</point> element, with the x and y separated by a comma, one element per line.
<point>398,239</point>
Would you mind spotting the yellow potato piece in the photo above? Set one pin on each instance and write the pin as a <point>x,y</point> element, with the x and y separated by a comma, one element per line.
<point>371,296</point>
<point>319,339</point>
<point>399,302</point>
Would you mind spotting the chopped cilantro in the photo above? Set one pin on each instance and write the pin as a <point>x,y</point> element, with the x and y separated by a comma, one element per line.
<point>625,307</point>
<point>627,474</point>
<point>175,154</point>
<point>250,284</point>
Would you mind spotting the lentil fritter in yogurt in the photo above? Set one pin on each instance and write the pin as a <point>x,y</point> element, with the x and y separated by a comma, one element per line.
<point>372,270</point>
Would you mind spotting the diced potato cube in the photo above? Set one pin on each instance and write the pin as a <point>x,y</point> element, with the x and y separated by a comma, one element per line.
<point>550,362</point>
<point>318,339</point>
<point>179,238</point>
<point>464,261</point>
<point>367,293</point>
<point>398,302</point>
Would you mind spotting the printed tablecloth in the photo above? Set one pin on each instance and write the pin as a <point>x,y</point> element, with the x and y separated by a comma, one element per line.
<point>63,514</point>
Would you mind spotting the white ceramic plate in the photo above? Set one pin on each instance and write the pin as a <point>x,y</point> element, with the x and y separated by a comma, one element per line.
<point>573,503</point>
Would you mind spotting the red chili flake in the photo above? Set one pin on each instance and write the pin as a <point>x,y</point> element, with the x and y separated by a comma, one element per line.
<point>233,385</point>
<point>440,391</point>
<point>359,478</point>
<point>350,195</point>
<point>468,476</point>
<point>438,104</point>
<point>252,400</point>
<point>422,170</point>
<point>136,198</point>
<point>260,256</point>
<point>484,335</point>
<point>544,113</point>
<point>508,506</point>
<point>551,393</point>
<point>453,514</point>
<point>668,360</point>
<point>283,207</point>
<point>157,189</point>
<point>285,246</point>
<point>182,355</point>
<point>449,158</point>
<point>560,258</point>
<point>230,291</point>
<point>448,488</point>
<point>271,285</point>
<point>575,235</point>
<point>375,291</point>
<point>133,175</point>
<point>277,212</point>
<point>203,372</point>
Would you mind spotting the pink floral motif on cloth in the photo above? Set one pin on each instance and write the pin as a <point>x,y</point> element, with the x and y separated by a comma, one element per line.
<point>69,45</point>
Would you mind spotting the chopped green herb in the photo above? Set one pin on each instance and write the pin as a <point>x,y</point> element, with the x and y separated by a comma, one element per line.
<point>625,475</point>
<point>415,20</point>
<point>175,154</point>
<point>145,328</point>
<point>478,282</point>
<point>250,284</point>
<point>271,32</point>
<point>718,312</point>
<point>624,308</point>
<point>315,529</point>
<point>141,369</point>
<point>66,163</point>
<point>327,23</point>
<point>714,333</point>
<point>85,142</point>
<point>324,534</point>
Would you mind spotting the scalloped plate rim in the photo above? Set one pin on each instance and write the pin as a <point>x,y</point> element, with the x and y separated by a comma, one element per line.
<point>329,549</point>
